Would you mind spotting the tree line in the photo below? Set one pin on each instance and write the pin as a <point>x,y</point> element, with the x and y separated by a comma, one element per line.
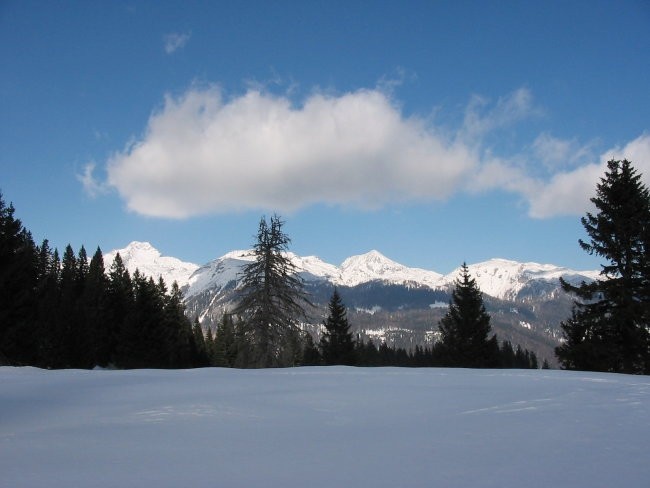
<point>337,346</point>
<point>68,312</point>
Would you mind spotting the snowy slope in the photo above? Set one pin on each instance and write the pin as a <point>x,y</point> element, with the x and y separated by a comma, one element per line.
<point>226,270</point>
<point>504,279</point>
<point>323,427</point>
<point>144,257</point>
<point>374,266</point>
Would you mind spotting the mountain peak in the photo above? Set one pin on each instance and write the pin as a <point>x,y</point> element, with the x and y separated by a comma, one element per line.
<point>148,260</point>
<point>138,248</point>
<point>374,266</point>
<point>372,261</point>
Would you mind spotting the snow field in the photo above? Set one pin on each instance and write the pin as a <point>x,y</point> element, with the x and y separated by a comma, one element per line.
<point>323,427</point>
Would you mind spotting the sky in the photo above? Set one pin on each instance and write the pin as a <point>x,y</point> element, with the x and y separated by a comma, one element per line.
<point>435,132</point>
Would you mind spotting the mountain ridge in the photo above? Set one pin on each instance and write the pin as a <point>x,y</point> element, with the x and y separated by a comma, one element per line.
<point>500,278</point>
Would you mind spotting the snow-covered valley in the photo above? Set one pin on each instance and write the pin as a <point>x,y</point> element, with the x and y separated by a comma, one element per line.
<point>323,427</point>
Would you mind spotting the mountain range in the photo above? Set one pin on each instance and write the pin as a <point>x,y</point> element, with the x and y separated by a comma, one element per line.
<point>386,301</point>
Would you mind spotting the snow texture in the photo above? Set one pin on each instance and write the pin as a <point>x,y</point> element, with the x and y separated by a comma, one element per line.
<point>323,427</point>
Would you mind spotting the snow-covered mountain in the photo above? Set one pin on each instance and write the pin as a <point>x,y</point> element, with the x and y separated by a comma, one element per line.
<point>354,271</point>
<point>499,278</point>
<point>147,259</point>
<point>374,266</point>
<point>509,280</point>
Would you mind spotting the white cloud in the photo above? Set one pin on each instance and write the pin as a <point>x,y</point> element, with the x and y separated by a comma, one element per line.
<point>555,153</point>
<point>203,154</point>
<point>175,41</point>
<point>481,118</point>
<point>90,184</point>
<point>568,193</point>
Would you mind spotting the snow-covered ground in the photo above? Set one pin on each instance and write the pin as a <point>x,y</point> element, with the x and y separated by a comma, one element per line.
<point>323,427</point>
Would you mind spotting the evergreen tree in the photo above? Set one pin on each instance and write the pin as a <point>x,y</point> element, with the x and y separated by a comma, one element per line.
<point>337,344</point>
<point>142,342</point>
<point>367,354</point>
<point>94,310</point>
<point>209,345</point>
<point>64,322</point>
<point>507,354</point>
<point>225,344</point>
<point>609,327</point>
<point>79,347</point>
<point>272,299</point>
<point>465,328</point>
<point>202,355</point>
<point>180,348</point>
<point>47,296</point>
<point>18,280</point>
<point>120,303</point>
<point>311,355</point>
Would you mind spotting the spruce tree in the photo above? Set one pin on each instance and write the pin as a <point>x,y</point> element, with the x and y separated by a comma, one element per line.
<point>225,343</point>
<point>180,346</point>
<point>609,327</point>
<point>18,279</point>
<point>209,345</point>
<point>465,328</point>
<point>66,316</point>
<point>95,333</point>
<point>272,300</point>
<point>47,305</point>
<point>142,342</point>
<point>120,304</point>
<point>311,355</point>
<point>337,344</point>
<point>202,357</point>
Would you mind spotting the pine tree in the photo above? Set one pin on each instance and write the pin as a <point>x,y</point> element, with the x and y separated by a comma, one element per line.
<point>120,304</point>
<point>94,313</point>
<point>180,347</point>
<point>209,345</point>
<point>63,354</point>
<point>311,355</point>
<point>142,342</point>
<point>272,299</point>
<point>47,311</point>
<point>465,328</point>
<point>609,327</point>
<point>79,346</point>
<point>337,344</point>
<point>202,355</point>
<point>18,281</point>
<point>225,344</point>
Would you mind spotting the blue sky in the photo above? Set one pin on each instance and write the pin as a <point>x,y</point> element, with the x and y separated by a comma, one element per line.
<point>434,132</point>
